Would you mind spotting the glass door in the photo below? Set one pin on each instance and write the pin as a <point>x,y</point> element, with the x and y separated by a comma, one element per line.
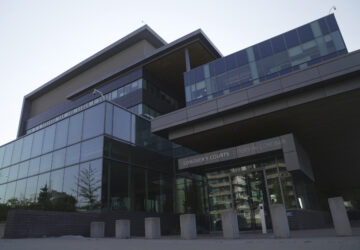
<point>249,191</point>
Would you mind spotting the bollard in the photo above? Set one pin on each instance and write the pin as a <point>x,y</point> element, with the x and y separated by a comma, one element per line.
<point>2,230</point>
<point>188,226</point>
<point>279,221</point>
<point>229,222</point>
<point>97,229</point>
<point>152,228</point>
<point>339,216</point>
<point>122,229</point>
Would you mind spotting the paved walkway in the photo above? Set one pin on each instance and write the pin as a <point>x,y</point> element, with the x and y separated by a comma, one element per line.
<point>305,239</point>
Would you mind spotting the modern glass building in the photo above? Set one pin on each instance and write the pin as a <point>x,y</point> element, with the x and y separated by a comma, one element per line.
<point>176,128</point>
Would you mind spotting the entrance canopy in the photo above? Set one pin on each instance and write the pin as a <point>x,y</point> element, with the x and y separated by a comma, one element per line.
<point>295,157</point>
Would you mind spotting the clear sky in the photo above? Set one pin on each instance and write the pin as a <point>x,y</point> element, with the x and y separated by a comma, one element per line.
<point>40,39</point>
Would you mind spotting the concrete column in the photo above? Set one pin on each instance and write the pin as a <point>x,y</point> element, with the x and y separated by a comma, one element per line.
<point>97,229</point>
<point>279,221</point>
<point>339,216</point>
<point>229,222</point>
<point>2,230</point>
<point>187,60</point>
<point>152,228</point>
<point>122,229</point>
<point>188,226</point>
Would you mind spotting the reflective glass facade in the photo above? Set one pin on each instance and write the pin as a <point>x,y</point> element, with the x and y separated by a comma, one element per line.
<point>296,49</point>
<point>101,144</point>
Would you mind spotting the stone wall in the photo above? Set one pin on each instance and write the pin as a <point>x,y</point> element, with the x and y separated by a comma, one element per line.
<point>30,223</point>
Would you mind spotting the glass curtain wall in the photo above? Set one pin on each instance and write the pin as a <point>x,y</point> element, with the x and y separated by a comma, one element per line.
<point>56,162</point>
<point>296,49</point>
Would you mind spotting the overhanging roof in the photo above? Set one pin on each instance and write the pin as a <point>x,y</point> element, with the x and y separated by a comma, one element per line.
<point>143,33</point>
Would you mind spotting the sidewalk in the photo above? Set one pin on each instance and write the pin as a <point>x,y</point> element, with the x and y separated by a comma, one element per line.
<point>304,239</point>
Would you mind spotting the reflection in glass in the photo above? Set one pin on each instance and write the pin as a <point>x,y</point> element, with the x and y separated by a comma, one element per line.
<point>71,176</point>
<point>2,193</point>
<point>121,124</point>
<point>4,175</point>
<point>89,185</point>
<point>13,172</point>
<point>10,191</point>
<point>20,189</point>
<point>8,154</point>
<point>44,180</point>
<point>31,184</point>
<point>56,180</point>
<point>138,187</point>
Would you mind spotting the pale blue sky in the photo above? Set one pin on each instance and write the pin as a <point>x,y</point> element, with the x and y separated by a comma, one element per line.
<point>41,39</point>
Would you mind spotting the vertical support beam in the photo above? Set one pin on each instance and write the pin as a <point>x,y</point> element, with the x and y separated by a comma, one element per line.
<point>340,217</point>
<point>187,60</point>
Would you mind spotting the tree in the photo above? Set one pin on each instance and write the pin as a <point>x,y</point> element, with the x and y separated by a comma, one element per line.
<point>88,186</point>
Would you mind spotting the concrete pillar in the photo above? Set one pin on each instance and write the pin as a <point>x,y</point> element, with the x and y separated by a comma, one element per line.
<point>229,222</point>
<point>122,229</point>
<point>188,226</point>
<point>339,216</point>
<point>97,229</point>
<point>279,221</point>
<point>2,230</point>
<point>152,228</point>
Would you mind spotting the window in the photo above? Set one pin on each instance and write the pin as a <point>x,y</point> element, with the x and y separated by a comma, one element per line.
<point>8,153</point>
<point>58,159</point>
<point>71,176</point>
<point>56,180</point>
<point>45,162</point>
<point>72,154</point>
<point>91,149</point>
<point>20,189</point>
<point>121,124</point>
<point>16,155</point>
<point>291,38</point>
<point>37,143</point>
<point>75,128</point>
<point>4,175</point>
<point>34,166</point>
<point>61,134</point>
<point>31,184</point>
<point>23,169</point>
<point>26,150</point>
<point>13,172</point>
<point>49,136</point>
<point>94,121</point>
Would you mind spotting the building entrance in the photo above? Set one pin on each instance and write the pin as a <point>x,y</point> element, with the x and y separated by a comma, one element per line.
<point>244,187</point>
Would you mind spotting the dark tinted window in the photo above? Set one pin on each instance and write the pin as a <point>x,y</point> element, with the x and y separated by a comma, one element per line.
<point>230,62</point>
<point>305,33</point>
<point>56,180</point>
<point>71,180</point>
<point>278,44</point>
<point>323,26</point>
<point>219,66</point>
<point>291,38</point>
<point>332,23</point>
<point>265,48</point>
<point>241,58</point>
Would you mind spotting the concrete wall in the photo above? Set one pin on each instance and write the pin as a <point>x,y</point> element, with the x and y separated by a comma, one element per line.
<point>28,223</point>
<point>58,95</point>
